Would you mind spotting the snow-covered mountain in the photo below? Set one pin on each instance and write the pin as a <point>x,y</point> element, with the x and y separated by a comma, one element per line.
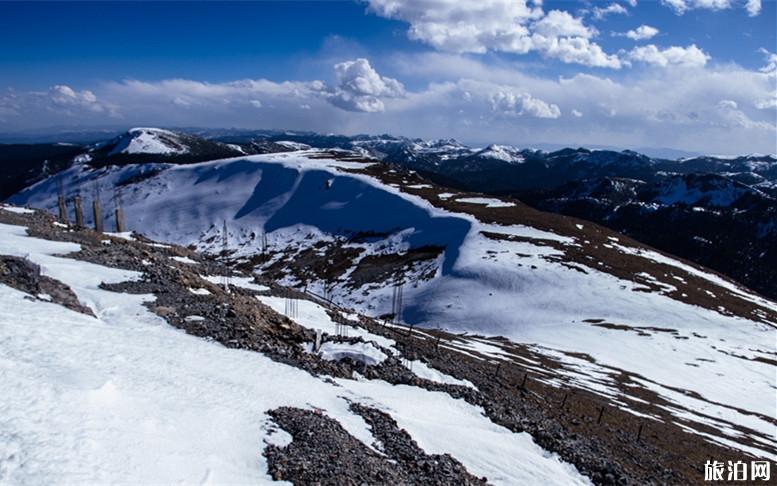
<point>712,219</point>
<point>535,176</point>
<point>625,320</point>
<point>151,141</point>
<point>156,144</point>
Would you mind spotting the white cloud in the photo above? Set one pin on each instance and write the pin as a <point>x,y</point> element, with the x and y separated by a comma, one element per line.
<point>514,26</point>
<point>558,23</point>
<point>519,104</point>
<point>66,97</point>
<point>667,105</point>
<point>632,3</point>
<point>690,56</point>
<point>577,50</point>
<point>457,96</point>
<point>360,87</point>
<point>256,103</point>
<point>643,32</point>
<point>463,25</point>
<point>770,69</point>
<point>767,103</point>
<point>731,116</point>
<point>611,9</point>
<point>753,7</point>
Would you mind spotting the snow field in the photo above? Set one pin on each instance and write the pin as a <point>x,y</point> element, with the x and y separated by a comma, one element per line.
<point>126,398</point>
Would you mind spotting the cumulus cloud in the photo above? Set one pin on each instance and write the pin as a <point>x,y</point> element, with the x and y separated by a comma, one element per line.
<point>514,26</point>
<point>753,7</point>
<point>519,104</point>
<point>613,8</point>
<point>731,116</point>
<point>463,26</point>
<point>690,56</point>
<point>770,69</point>
<point>643,32</point>
<point>59,103</point>
<point>560,35</point>
<point>767,103</point>
<point>64,96</point>
<point>721,109</point>
<point>360,87</point>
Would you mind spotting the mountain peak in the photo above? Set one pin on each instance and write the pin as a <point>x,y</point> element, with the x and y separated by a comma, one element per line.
<point>145,140</point>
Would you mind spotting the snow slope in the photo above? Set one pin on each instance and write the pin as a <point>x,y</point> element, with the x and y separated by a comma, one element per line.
<point>513,287</point>
<point>125,398</point>
<point>149,141</point>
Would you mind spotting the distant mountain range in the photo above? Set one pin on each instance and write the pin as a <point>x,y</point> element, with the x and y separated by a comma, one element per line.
<point>716,211</point>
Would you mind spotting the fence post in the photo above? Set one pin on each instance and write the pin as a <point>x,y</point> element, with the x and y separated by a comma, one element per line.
<point>119,220</point>
<point>601,412</point>
<point>79,212</point>
<point>317,344</point>
<point>98,216</point>
<point>62,210</point>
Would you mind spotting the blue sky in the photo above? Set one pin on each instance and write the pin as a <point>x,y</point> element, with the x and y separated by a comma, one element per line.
<point>517,71</point>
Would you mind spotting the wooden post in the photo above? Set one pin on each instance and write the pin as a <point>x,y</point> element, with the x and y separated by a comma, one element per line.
<point>98,216</point>
<point>317,344</point>
<point>119,220</point>
<point>79,212</point>
<point>62,210</point>
<point>639,431</point>
<point>601,412</point>
<point>564,401</point>
<point>523,383</point>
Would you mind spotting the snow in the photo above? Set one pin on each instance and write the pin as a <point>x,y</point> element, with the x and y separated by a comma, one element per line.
<point>16,210</point>
<point>199,291</point>
<point>149,141</point>
<point>126,398</point>
<point>710,277</point>
<point>294,145</point>
<point>487,201</point>
<point>183,259</point>
<point>362,352</point>
<point>237,281</point>
<point>422,370</point>
<point>501,152</point>
<point>314,317</point>
<point>126,235</point>
<point>493,287</point>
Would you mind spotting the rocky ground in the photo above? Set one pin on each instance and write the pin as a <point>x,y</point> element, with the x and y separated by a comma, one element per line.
<point>322,452</point>
<point>604,442</point>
